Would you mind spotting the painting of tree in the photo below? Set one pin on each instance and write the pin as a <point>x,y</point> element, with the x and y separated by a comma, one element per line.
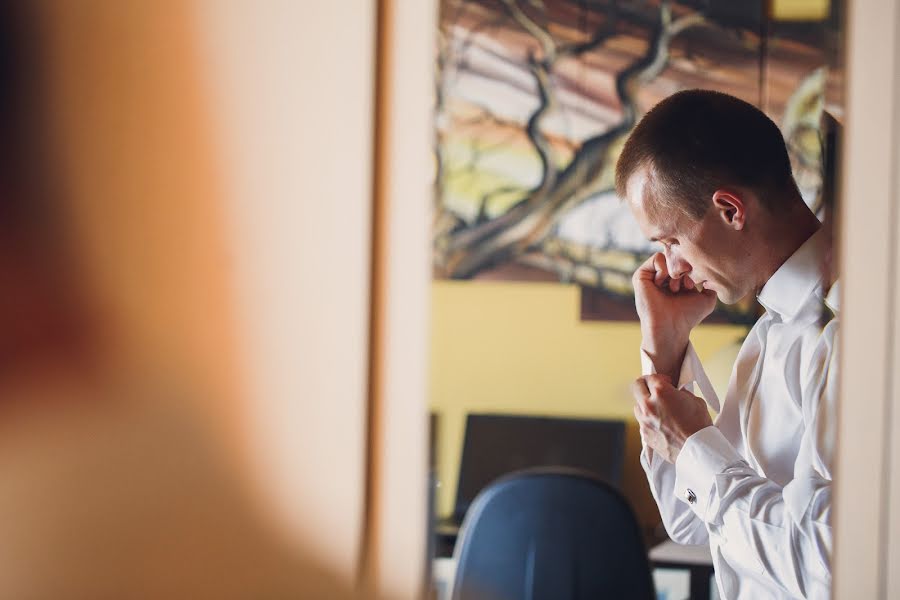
<point>535,98</point>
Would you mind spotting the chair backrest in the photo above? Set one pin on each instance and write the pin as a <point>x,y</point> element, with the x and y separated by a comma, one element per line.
<point>551,534</point>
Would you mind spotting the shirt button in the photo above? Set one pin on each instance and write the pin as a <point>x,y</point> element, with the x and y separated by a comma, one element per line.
<point>690,496</point>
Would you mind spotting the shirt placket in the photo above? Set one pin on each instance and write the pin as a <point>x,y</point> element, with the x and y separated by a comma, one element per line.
<point>756,375</point>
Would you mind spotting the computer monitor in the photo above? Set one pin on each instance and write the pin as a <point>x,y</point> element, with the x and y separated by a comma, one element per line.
<point>499,444</point>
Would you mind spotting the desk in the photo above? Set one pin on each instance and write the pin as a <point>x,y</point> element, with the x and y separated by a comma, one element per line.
<point>696,560</point>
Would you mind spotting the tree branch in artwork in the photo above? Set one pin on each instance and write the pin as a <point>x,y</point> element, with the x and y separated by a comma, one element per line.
<point>464,250</point>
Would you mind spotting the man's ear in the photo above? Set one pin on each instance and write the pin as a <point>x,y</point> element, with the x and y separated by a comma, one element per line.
<point>730,207</point>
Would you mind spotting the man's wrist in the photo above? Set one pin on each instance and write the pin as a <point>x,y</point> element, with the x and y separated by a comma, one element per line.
<point>664,348</point>
<point>660,339</point>
<point>663,343</point>
<point>667,353</point>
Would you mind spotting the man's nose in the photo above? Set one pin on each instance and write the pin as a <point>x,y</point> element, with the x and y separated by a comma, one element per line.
<point>677,266</point>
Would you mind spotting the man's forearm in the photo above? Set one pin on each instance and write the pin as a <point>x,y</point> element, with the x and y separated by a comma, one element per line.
<point>665,350</point>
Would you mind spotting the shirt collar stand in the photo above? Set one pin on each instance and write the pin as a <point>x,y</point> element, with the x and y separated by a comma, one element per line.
<point>786,292</point>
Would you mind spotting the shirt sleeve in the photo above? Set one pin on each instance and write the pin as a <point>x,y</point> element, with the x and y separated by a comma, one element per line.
<point>786,531</point>
<point>682,524</point>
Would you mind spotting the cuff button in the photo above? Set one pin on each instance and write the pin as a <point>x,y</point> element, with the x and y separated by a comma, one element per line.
<point>690,496</point>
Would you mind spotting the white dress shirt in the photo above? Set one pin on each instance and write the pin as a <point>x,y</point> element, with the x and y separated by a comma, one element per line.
<point>757,485</point>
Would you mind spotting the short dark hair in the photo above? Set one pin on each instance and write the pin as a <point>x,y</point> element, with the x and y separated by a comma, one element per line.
<point>697,141</point>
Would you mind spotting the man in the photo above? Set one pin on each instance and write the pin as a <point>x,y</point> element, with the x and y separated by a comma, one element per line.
<point>708,176</point>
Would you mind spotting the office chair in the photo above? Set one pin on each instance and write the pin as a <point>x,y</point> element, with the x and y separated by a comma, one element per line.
<point>551,534</point>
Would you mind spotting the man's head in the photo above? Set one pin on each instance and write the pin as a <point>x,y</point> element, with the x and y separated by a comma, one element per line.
<point>708,176</point>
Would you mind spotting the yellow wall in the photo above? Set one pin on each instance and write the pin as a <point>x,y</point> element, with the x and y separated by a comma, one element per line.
<point>521,348</point>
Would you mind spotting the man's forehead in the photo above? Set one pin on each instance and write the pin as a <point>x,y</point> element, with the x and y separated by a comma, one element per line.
<point>653,222</point>
<point>638,185</point>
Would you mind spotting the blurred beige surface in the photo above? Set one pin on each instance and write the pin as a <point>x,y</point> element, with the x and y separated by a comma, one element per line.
<point>107,498</point>
<point>197,427</point>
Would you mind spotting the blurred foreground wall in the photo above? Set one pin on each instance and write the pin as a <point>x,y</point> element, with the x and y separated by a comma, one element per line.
<point>194,417</point>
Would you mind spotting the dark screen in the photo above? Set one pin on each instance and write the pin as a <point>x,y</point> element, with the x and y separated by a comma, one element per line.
<point>499,444</point>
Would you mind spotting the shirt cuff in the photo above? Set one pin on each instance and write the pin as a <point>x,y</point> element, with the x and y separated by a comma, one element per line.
<point>691,373</point>
<point>704,455</point>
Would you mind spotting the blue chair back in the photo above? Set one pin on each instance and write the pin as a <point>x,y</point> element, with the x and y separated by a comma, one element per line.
<point>551,534</point>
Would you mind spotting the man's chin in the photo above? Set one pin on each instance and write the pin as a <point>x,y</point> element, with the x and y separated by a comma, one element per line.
<point>726,296</point>
<point>706,287</point>
<point>723,296</point>
<point>730,297</point>
<point>727,299</point>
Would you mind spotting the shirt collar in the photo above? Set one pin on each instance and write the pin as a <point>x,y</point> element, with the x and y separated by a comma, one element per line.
<point>833,299</point>
<point>786,292</point>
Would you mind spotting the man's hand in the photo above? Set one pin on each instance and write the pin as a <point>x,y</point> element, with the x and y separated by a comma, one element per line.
<point>667,416</point>
<point>668,309</point>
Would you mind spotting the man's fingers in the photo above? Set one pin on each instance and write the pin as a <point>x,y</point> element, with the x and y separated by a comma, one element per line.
<point>646,392</point>
<point>645,410</point>
<point>652,438</point>
<point>639,414</point>
<point>648,270</point>
<point>649,433</point>
<point>688,283</point>
<point>661,277</point>
<point>639,389</point>
<point>659,263</point>
<point>675,285</point>
<point>646,419</point>
<point>657,382</point>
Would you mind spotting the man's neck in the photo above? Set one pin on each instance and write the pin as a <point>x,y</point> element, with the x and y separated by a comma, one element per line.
<point>783,239</point>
